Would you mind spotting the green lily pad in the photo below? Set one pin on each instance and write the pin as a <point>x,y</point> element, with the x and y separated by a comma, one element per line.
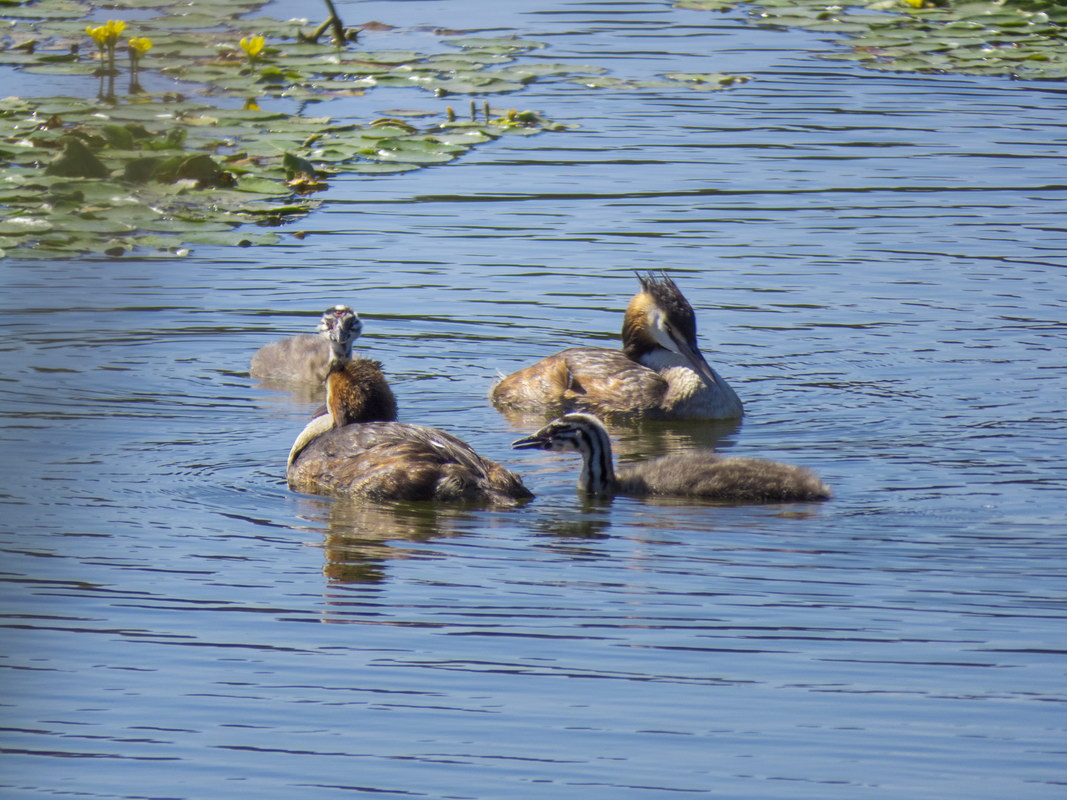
<point>184,226</point>
<point>239,238</point>
<point>153,170</point>
<point>382,169</point>
<point>496,45</point>
<point>260,186</point>
<point>39,67</point>
<point>188,21</point>
<point>466,138</point>
<point>24,226</point>
<point>412,156</point>
<point>52,10</point>
<point>707,80</point>
<point>77,161</point>
<point>985,37</point>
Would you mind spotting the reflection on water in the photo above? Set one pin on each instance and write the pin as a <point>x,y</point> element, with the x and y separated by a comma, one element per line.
<point>876,263</point>
<point>302,392</point>
<point>637,439</point>
<point>360,537</point>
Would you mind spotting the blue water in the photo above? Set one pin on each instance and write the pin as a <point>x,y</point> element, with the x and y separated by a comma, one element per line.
<point>877,264</point>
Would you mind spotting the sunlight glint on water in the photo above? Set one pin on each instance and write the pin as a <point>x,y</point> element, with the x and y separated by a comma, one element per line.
<point>877,263</point>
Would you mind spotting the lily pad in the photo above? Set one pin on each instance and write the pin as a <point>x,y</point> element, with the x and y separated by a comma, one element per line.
<point>497,45</point>
<point>707,80</point>
<point>985,37</point>
<point>52,10</point>
<point>159,169</point>
<point>77,161</point>
<point>382,169</point>
<point>24,226</point>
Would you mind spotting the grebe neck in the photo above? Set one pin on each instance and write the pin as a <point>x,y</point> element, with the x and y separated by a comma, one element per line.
<point>598,471</point>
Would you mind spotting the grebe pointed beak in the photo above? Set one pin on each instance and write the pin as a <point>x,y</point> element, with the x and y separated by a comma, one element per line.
<point>696,359</point>
<point>537,441</point>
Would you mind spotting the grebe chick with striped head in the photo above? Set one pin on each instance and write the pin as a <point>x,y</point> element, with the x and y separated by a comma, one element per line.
<point>660,372</point>
<point>304,358</point>
<point>356,450</point>
<point>698,473</point>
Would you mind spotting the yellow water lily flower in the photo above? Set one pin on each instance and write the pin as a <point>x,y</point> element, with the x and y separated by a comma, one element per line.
<point>140,45</point>
<point>252,45</point>
<point>99,34</point>
<point>108,33</point>
<point>115,27</point>
<point>914,3</point>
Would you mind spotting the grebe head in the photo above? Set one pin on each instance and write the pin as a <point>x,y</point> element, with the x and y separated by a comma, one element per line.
<point>571,433</point>
<point>659,316</point>
<point>340,326</point>
<point>578,433</point>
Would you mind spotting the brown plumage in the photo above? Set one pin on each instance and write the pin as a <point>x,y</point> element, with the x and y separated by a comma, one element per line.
<point>355,450</point>
<point>360,391</point>
<point>398,461</point>
<point>699,473</point>
<point>660,372</point>
<point>357,391</point>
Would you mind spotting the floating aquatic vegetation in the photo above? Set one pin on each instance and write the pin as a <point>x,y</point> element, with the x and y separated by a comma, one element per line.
<point>704,81</point>
<point>79,178</point>
<point>205,42</point>
<point>157,169</point>
<point>164,172</point>
<point>980,37</point>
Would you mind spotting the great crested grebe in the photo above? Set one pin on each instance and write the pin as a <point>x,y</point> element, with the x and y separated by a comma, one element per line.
<point>659,373</point>
<point>699,473</point>
<point>349,451</point>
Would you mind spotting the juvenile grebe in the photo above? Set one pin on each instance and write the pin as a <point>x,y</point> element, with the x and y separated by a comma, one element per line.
<point>342,453</point>
<point>355,387</point>
<point>660,372</point>
<point>300,359</point>
<point>304,358</point>
<point>699,473</point>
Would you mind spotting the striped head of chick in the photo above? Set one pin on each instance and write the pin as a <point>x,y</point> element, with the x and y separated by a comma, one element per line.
<point>340,326</point>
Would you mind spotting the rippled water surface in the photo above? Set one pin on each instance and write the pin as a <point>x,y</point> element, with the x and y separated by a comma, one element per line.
<point>877,263</point>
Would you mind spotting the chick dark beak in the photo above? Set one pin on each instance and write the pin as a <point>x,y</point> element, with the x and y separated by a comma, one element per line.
<point>537,441</point>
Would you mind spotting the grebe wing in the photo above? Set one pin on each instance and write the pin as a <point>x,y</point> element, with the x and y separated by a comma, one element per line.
<point>608,381</point>
<point>582,379</point>
<point>538,386</point>
<point>400,461</point>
